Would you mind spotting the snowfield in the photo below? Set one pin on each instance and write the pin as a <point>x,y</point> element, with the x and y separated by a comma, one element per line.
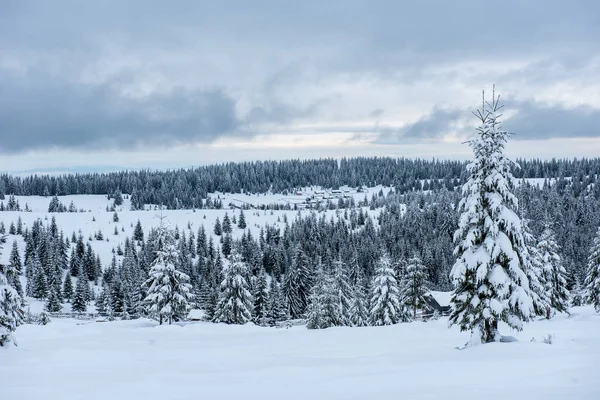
<point>70,359</point>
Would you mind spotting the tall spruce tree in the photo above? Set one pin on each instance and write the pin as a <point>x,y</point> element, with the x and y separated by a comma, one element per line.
<point>323,308</point>
<point>592,279</point>
<point>79,302</point>
<point>385,306</point>
<point>235,300</point>
<point>11,313</point>
<point>490,284</point>
<point>359,305</point>
<point>297,284</point>
<point>261,299</point>
<point>342,291</point>
<point>414,285</point>
<point>555,275</point>
<point>534,269</point>
<point>15,269</point>
<point>277,305</point>
<point>168,289</point>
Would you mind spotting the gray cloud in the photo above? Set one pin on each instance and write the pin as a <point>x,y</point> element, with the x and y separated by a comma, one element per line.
<point>434,125</point>
<point>40,111</point>
<point>540,121</point>
<point>533,120</point>
<point>272,50</point>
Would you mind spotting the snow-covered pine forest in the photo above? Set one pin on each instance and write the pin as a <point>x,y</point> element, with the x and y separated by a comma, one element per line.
<point>389,251</point>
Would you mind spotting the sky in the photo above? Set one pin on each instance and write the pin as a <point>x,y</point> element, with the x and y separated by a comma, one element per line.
<point>108,85</point>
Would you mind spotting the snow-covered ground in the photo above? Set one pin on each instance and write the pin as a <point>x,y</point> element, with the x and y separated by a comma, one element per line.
<point>70,359</point>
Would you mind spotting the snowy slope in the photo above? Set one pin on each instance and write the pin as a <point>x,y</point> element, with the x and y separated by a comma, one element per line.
<point>134,360</point>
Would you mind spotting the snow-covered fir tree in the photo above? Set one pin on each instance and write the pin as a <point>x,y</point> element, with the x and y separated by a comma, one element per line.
<point>235,300</point>
<point>297,284</point>
<point>385,306</point>
<point>414,286</point>
<point>277,306</point>
<point>67,289</point>
<point>80,297</point>
<point>261,299</point>
<point>490,283</point>
<point>324,308</point>
<point>342,291</point>
<point>592,278</point>
<point>14,269</point>
<point>359,305</point>
<point>169,292</point>
<point>11,312</point>
<point>555,275</point>
<point>534,270</point>
<point>53,302</point>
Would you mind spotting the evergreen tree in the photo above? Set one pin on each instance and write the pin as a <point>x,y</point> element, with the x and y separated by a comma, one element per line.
<point>385,307</point>
<point>534,270</point>
<point>168,289</point>
<point>40,284</point>
<point>242,220</point>
<point>324,308</point>
<point>555,275</point>
<point>359,305</point>
<point>277,305</point>
<point>227,244</point>
<point>138,232</point>
<point>414,286</point>
<point>490,284</point>
<point>53,302</point>
<point>226,225</point>
<point>342,291</point>
<point>297,284</point>
<point>79,302</point>
<point>592,279</point>
<point>261,299</point>
<point>11,313</point>
<point>235,299</point>
<point>14,269</point>
<point>44,318</point>
<point>67,289</point>
<point>217,229</point>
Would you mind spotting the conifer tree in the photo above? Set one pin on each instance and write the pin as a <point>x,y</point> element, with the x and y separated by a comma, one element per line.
<point>277,305</point>
<point>555,275</point>
<point>11,313</point>
<point>235,299</point>
<point>385,306</point>
<point>316,316</point>
<point>168,289</point>
<point>14,269</point>
<point>138,232</point>
<point>217,229</point>
<point>297,284</point>
<point>534,270</point>
<point>53,302</point>
<point>324,308</point>
<point>342,291</point>
<point>79,302</point>
<point>226,225</point>
<point>592,279</point>
<point>414,286</point>
<point>40,284</point>
<point>261,299</point>
<point>359,305</point>
<point>242,220</point>
<point>44,318</point>
<point>490,284</point>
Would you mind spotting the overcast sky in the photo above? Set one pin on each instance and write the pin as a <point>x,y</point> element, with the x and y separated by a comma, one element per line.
<point>103,85</point>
